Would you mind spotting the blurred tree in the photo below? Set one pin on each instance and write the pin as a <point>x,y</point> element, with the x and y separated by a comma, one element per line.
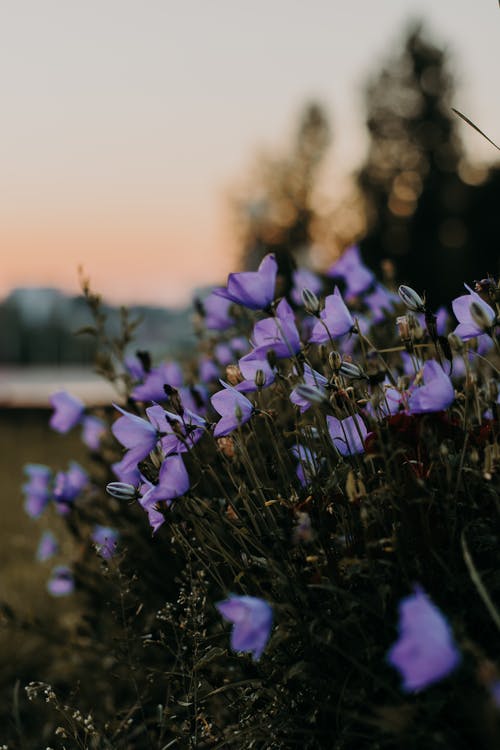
<point>417,203</point>
<point>277,214</point>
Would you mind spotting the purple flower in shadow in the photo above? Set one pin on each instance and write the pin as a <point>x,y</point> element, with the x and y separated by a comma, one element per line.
<point>61,582</point>
<point>308,464</point>
<point>68,411</point>
<point>252,620</point>
<point>93,429</point>
<point>47,547</point>
<point>425,651</point>
<point>252,289</point>
<point>173,481</point>
<point>312,378</point>
<point>348,435</point>
<point>234,408</point>
<point>277,333</point>
<point>349,267</point>
<point>36,490</point>
<point>468,328</point>
<point>335,320</point>
<point>106,539</point>
<point>437,393</point>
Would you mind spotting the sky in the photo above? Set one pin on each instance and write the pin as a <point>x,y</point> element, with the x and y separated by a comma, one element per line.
<point>126,125</point>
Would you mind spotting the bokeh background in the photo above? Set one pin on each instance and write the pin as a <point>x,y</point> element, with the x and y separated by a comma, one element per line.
<point>161,144</point>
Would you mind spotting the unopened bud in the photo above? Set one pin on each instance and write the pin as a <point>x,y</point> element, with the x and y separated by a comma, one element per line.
<point>260,378</point>
<point>481,315</point>
<point>403,325</point>
<point>455,342</point>
<point>311,302</point>
<point>310,393</point>
<point>411,299</point>
<point>121,490</point>
<point>350,370</point>
<point>335,359</point>
<point>233,374</point>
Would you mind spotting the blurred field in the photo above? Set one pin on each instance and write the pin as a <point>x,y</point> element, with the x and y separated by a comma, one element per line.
<point>25,437</point>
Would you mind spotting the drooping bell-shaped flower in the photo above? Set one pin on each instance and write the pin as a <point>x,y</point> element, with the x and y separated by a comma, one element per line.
<point>252,289</point>
<point>252,620</point>
<point>313,379</point>
<point>234,408</point>
<point>278,333</point>
<point>425,651</point>
<point>436,394</point>
<point>68,410</point>
<point>250,365</point>
<point>335,320</point>
<point>348,435</point>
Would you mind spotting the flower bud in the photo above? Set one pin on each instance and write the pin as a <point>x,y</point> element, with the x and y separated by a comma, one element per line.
<point>350,370</point>
<point>411,299</point>
<point>121,490</point>
<point>335,359</point>
<point>233,374</point>
<point>455,342</point>
<point>311,302</point>
<point>481,316</point>
<point>310,393</point>
<point>260,378</point>
<point>403,325</point>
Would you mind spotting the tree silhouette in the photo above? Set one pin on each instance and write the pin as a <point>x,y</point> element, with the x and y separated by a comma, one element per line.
<point>277,214</point>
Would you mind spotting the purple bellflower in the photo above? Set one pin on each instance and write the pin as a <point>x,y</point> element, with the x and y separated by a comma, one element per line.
<point>308,464</point>
<point>349,267</point>
<point>380,302</point>
<point>93,429</point>
<point>47,547</point>
<point>68,485</point>
<point>468,326</point>
<point>304,279</point>
<point>139,436</point>
<point>278,333</point>
<point>348,435</point>
<point>36,490</point>
<point>173,481</point>
<point>252,620</point>
<point>249,365</point>
<point>252,289</point>
<point>135,367</point>
<point>217,317</point>
<point>437,393</point>
<point>68,411</point>
<point>223,353</point>
<point>425,651</point>
<point>168,373</point>
<point>234,408</point>
<point>312,378</point>
<point>178,433</point>
<point>61,582</point>
<point>335,320</point>
<point>208,370</point>
<point>105,538</point>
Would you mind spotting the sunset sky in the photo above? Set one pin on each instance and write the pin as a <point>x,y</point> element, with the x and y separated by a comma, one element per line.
<point>127,124</point>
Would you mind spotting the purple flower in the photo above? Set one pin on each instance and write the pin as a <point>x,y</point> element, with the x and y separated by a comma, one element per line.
<point>308,465</point>
<point>93,429</point>
<point>126,470</point>
<point>304,279</point>
<point>252,620</point>
<point>178,433</point>
<point>425,651</point>
<point>437,393</point>
<point>173,481</point>
<point>468,326</point>
<point>234,408</point>
<point>136,434</point>
<point>216,307</point>
<point>336,320</point>
<point>249,366</point>
<point>47,547</point>
<point>168,373</point>
<point>312,378</point>
<point>106,539</point>
<point>223,354</point>
<point>61,582</point>
<point>68,485</point>
<point>68,411</point>
<point>352,270</point>
<point>348,435</point>
<point>253,289</point>
<point>208,370</point>
<point>380,302</point>
<point>135,367</point>
<point>278,333</point>
<point>37,489</point>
